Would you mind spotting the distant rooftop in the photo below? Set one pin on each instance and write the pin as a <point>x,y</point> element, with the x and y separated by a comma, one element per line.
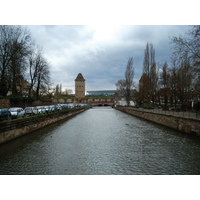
<point>79,77</point>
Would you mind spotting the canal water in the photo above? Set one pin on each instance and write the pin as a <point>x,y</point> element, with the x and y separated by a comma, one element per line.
<point>102,141</point>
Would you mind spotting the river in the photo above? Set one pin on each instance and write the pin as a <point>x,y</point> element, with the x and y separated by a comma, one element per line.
<point>102,141</point>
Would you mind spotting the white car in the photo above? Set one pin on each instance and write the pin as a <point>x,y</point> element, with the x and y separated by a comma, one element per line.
<point>41,109</point>
<point>31,111</point>
<point>15,111</point>
<point>47,108</point>
<point>71,105</point>
<point>21,114</point>
<point>52,108</point>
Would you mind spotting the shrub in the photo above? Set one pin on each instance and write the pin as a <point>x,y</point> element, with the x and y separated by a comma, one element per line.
<point>16,98</point>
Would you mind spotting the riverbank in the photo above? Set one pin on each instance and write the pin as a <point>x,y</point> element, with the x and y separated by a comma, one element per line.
<point>10,130</point>
<point>186,124</point>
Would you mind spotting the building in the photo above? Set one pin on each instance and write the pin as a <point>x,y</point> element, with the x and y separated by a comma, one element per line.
<point>95,98</point>
<point>144,88</point>
<point>22,88</point>
<point>79,87</point>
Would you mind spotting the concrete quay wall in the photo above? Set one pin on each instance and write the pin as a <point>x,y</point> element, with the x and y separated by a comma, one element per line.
<point>10,130</point>
<point>183,124</point>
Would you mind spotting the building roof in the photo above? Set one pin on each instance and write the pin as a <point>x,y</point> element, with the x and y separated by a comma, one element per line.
<point>143,77</point>
<point>101,93</point>
<point>79,77</point>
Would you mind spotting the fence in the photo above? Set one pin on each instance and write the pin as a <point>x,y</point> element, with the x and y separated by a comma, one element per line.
<point>195,114</point>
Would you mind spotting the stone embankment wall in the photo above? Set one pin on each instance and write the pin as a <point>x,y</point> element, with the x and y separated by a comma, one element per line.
<point>183,124</point>
<point>12,129</point>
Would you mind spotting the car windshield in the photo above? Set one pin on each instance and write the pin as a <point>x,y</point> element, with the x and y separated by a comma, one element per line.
<point>13,109</point>
<point>28,108</point>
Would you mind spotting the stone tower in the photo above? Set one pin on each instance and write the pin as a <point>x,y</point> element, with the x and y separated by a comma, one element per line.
<point>79,86</point>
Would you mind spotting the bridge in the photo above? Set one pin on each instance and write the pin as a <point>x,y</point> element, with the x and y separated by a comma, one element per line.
<point>102,103</point>
<point>100,98</point>
<point>93,101</point>
<point>95,98</point>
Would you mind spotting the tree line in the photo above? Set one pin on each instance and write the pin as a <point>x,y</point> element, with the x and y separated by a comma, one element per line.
<point>177,82</point>
<point>23,67</point>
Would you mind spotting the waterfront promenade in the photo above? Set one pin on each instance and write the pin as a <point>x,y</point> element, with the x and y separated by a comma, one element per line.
<point>187,122</point>
<point>185,114</point>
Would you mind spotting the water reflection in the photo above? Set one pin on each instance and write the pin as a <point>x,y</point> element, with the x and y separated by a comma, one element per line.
<point>102,141</point>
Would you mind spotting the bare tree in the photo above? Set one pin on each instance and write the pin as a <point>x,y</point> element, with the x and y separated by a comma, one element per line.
<point>125,86</point>
<point>15,42</point>
<point>58,90</point>
<point>154,81</point>
<point>189,44</point>
<point>165,75</point>
<point>173,81</point>
<point>129,75</point>
<point>21,49</point>
<point>5,46</point>
<point>43,76</point>
<point>34,61</point>
<point>68,91</point>
<point>150,69</point>
<point>164,79</point>
<point>149,59</point>
<point>184,80</point>
<point>180,79</point>
<point>39,72</point>
<point>17,54</point>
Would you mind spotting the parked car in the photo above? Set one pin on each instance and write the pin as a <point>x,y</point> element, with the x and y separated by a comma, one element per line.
<point>14,112</point>
<point>5,114</point>
<point>29,111</point>
<point>81,105</point>
<point>47,109</point>
<point>21,114</point>
<point>58,107</point>
<point>71,105</point>
<point>41,109</point>
<point>52,108</point>
<point>64,106</point>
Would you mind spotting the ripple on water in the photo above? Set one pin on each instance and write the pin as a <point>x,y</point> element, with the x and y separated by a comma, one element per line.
<point>102,141</point>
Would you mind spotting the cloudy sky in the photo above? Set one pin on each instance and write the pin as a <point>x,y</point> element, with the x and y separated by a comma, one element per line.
<point>101,52</point>
<point>101,49</point>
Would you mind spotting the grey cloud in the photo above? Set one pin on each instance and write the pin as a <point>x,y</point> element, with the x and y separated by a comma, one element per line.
<point>102,61</point>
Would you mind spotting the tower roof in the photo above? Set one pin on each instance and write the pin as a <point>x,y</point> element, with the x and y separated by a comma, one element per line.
<point>79,77</point>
